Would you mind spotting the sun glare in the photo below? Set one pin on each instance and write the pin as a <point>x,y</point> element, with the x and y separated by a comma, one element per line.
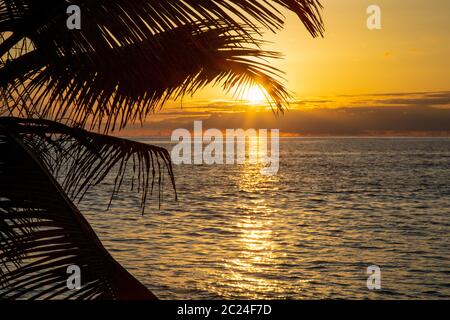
<point>254,95</point>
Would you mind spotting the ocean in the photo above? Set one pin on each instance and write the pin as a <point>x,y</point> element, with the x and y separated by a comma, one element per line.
<point>336,207</point>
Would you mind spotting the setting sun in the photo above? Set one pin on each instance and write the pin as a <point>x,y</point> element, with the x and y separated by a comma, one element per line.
<point>254,95</point>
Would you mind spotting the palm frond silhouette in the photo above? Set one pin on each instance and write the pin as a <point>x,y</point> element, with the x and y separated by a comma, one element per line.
<point>127,60</point>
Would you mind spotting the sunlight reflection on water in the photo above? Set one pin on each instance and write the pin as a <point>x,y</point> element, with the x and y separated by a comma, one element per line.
<point>336,207</point>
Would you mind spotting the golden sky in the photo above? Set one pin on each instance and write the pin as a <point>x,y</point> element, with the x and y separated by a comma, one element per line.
<point>410,53</point>
<point>401,74</point>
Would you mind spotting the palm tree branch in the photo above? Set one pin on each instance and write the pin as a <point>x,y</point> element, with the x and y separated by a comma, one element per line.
<point>80,159</point>
<point>80,68</point>
<point>42,233</point>
<point>91,89</point>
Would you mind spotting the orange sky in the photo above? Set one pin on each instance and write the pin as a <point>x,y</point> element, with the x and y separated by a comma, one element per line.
<point>409,54</point>
<point>407,60</point>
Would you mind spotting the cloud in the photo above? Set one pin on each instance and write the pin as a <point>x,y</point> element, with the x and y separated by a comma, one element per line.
<point>388,114</point>
<point>423,99</point>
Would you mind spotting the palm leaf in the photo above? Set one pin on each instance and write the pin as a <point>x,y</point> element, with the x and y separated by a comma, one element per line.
<point>101,88</point>
<point>79,159</point>
<point>165,48</point>
<point>42,233</point>
<point>127,20</point>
